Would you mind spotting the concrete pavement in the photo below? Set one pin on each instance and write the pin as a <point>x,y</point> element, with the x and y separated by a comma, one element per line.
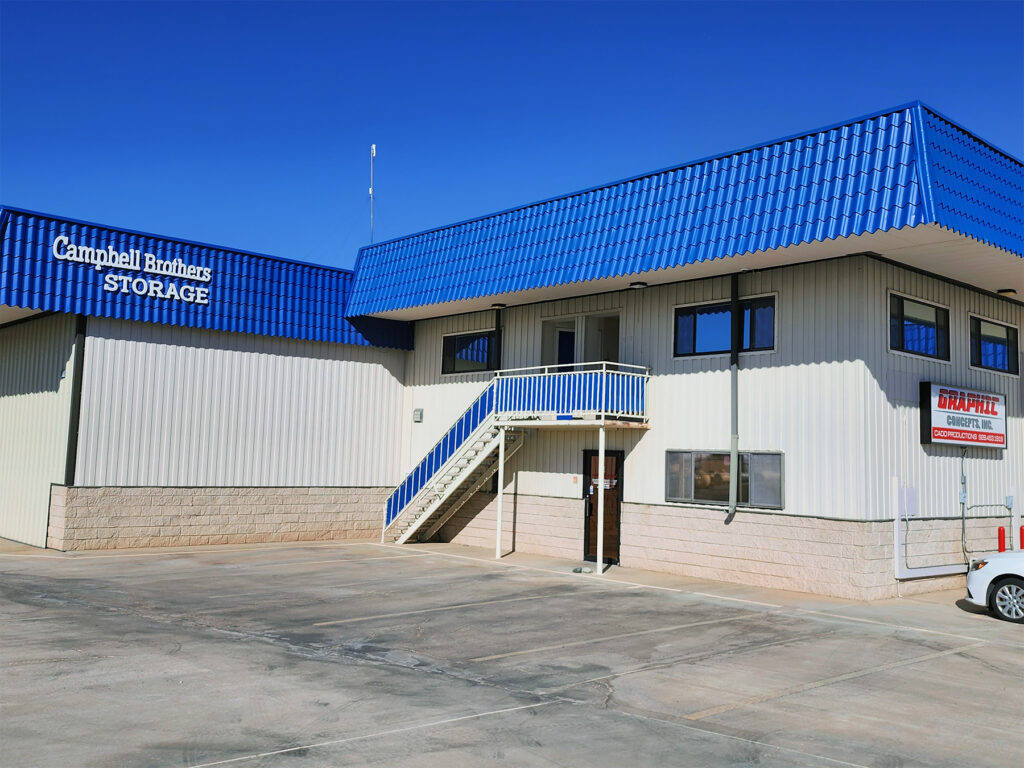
<point>364,654</point>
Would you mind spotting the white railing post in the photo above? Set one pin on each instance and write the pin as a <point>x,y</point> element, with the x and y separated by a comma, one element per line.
<point>501,490</point>
<point>600,501</point>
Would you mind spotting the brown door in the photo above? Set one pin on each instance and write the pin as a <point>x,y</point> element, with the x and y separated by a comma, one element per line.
<point>612,496</point>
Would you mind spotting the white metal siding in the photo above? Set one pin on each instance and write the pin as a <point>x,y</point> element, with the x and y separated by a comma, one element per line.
<point>168,406</point>
<point>819,397</point>
<point>892,414</point>
<point>443,398</point>
<point>36,370</point>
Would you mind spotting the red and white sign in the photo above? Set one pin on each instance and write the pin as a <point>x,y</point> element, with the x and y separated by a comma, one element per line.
<point>959,416</point>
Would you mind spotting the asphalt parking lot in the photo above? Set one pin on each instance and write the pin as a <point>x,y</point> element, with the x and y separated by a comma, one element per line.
<point>364,654</point>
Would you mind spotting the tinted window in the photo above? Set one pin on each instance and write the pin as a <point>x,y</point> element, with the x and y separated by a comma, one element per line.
<point>921,329</point>
<point>707,330</point>
<point>994,346</point>
<point>467,353</point>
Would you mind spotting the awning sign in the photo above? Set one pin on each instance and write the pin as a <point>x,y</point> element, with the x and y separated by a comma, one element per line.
<point>959,416</point>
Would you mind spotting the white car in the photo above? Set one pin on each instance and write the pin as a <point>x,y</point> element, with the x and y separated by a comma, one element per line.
<point>996,582</point>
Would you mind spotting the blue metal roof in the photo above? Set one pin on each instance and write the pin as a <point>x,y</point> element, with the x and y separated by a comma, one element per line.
<point>897,168</point>
<point>975,189</point>
<point>243,292</point>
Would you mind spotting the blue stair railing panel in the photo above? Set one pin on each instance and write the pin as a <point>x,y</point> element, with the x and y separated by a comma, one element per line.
<point>523,394</point>
<point>439,455</point>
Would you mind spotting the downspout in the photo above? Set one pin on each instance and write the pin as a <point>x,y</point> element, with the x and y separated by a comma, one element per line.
<point>496,361</point>
<point>736,314</point>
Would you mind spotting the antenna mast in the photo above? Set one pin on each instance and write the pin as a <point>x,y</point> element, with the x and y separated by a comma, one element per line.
<point>373,154</point>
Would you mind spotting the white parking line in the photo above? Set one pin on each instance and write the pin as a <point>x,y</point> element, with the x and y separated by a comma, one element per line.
<point>731,737</point>
<point>314,562</point>
<point>376,734</point>
<point>440,608</point>
<point>704,713</point>
<point>905,627</point>
<point>606,638</point>
<point>598,578</point>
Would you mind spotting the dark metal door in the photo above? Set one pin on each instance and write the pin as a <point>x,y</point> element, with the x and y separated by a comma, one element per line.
<point>612,498</point>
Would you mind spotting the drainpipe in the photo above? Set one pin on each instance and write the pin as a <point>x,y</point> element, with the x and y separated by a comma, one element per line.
<point>498,353</point>
<point>736,313</point>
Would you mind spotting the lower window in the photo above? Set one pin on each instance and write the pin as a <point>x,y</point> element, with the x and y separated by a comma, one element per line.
<point>703,477</point>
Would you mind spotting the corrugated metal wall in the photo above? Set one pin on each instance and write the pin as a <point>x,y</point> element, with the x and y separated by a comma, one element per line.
<point>820,397</point>
<point>891,409</point>
<point>36,371</point>
<point>167,406</point>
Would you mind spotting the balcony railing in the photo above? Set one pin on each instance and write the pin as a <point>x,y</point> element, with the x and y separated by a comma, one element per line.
<point>582,392</point>
<point>578,391</point>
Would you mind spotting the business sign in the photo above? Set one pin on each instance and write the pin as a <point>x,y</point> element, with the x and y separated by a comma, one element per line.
<point>181,287</point>
<point>959,416</point>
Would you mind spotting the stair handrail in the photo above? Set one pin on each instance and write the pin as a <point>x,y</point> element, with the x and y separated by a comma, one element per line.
<point>420,476</point>
<point>486,404</point>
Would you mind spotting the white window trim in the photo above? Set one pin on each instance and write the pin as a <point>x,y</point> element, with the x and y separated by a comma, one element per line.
<point>927,302</point>
<point>996,371</point>
<point>713,355</point>
<point>444,336</point>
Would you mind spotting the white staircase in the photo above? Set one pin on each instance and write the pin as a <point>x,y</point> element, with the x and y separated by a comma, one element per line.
<point>454,484</point>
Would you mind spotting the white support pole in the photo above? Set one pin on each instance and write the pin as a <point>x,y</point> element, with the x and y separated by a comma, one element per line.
<point>600,502</point>
<point>501,490</point>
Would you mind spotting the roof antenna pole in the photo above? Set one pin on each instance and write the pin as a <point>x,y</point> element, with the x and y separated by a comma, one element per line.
<point>373,154</point>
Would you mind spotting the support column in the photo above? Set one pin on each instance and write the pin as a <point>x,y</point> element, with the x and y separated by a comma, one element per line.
<point>736,314</point>
<point>600,501</point>
<point>501,490</point>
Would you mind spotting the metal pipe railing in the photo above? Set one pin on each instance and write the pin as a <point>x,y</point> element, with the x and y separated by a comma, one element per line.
<point>600,390</point>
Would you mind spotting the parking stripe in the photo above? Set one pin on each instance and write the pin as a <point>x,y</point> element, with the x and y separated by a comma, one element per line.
<point>606,638</point>
<point>442,608</point>
<point>609,580</point>
<point>314,562</point>
<point>376,734</point>
<point>704,713</point>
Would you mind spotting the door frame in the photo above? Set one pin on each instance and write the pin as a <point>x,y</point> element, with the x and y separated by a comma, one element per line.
<point>621,457</point>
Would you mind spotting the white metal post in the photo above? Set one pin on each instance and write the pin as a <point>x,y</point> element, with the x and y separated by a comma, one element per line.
<point>600,501</point>
<point>501,490</point>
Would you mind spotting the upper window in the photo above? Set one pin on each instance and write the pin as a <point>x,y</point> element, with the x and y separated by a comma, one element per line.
<point>994,346</point>
<point>920,329</point>
<point>704,478</point>
<point>707,330</point>
<point>468,352</point>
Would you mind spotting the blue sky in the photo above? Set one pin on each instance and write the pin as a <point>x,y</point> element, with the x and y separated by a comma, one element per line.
<point>249,124</point>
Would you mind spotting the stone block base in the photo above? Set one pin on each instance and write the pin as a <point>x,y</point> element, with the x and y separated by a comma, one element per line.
<point>110,518</point>
<point>838,558</point>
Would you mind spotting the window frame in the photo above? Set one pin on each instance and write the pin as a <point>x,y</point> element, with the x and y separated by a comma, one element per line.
<point>773,295</point>
<point>718,504</point>
<point>971,317</point>
<point>948,359</point>
<point>491,362</point>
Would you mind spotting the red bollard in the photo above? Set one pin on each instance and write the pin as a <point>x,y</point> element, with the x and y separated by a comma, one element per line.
<point>1022,537</point>
<point>1002,539</point>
